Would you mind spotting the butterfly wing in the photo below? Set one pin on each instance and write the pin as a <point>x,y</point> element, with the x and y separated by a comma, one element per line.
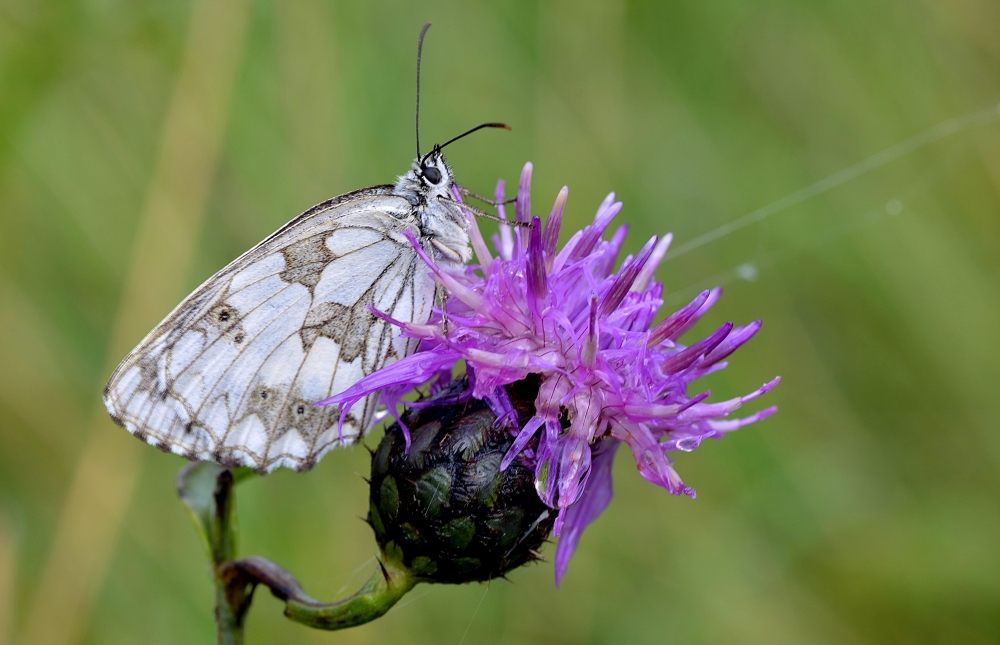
<point>231,374</point>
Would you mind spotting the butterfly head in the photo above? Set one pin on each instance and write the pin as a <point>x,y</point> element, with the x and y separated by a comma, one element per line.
<point>427,186</point>
<point>434,173</point>
<point>429,178</point>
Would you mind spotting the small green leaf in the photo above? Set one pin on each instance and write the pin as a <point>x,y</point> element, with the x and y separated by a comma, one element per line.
<point>389,497</point>
<point>422,442</point>
<point>196,484</point>
<point>486,478</point>
<point>467,564</point>
<point>380,460</point>
<point>376,519</point>
<point>508,525</point>
<point>433,489</point>
<point>458,533</point>
<point>392,553</point>
<point>476,426</point>
<point>423,566</point>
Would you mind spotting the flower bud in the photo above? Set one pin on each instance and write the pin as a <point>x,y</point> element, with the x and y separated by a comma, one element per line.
<point>444,508</point>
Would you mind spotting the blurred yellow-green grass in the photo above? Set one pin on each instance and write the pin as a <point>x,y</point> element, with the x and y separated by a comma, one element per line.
<point>145,144</point>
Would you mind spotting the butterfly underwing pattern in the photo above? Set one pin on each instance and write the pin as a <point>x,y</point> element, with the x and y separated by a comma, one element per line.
<point>231,374</point>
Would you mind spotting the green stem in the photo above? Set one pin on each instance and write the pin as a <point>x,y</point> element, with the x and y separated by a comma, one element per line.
<point>232,602</point>
<point>388,584</point>
<point>208,494</point>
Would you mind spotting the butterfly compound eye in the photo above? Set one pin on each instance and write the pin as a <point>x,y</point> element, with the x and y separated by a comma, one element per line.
<point>432,174</point>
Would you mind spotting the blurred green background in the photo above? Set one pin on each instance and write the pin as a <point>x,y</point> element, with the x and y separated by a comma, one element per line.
<point>143,145</point>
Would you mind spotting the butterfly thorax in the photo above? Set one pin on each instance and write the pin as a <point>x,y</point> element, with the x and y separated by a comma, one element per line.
<point>428,187</point>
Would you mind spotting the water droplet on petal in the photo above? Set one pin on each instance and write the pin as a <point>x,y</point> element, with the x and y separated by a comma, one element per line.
<point>687,444</point>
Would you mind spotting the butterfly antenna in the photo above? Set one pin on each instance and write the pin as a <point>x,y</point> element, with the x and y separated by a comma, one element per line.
<point>478,127</point>
<point>420,51</point>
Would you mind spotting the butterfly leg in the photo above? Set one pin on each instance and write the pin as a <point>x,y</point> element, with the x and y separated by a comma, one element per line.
<point>481,213</point>
<point>441,295</point>
<point>486,200</point>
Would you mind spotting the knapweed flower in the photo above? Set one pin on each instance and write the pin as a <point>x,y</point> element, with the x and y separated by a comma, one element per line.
<point>606,374</point>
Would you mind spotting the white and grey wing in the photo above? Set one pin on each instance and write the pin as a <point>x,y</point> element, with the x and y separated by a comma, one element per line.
<point>231,374</point>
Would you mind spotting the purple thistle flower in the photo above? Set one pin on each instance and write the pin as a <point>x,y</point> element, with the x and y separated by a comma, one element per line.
<point>606,377</point>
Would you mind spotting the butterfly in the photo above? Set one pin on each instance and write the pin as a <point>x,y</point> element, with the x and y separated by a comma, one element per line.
<point>230,375</point>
